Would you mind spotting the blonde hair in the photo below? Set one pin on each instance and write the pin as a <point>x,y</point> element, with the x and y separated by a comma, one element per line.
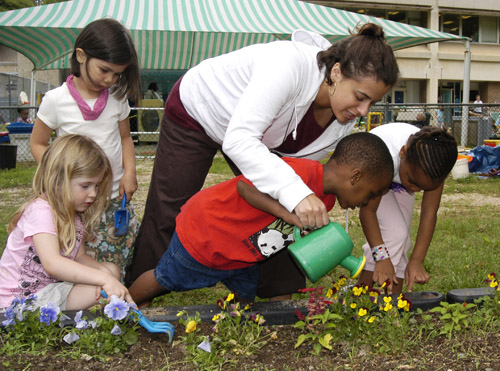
<point>68,157</point>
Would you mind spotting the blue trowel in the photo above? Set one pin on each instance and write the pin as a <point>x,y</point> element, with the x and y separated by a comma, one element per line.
<point>121,218</point>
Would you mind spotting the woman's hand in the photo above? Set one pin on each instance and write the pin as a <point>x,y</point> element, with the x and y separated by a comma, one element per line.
<point>312,212</point>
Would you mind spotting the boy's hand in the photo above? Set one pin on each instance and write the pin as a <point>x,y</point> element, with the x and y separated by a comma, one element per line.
<point>415,273</point>
<point>312,212</point>
<point>384,270</point>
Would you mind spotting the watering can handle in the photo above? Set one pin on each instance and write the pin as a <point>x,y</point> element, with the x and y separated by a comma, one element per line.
<point>124,200</point>
<point>296,232</point>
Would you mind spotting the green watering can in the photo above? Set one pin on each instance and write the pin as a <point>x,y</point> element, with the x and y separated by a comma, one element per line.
<point>323,249</point>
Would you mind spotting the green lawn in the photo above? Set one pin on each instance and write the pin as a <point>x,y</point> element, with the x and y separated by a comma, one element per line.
<point>465,248</point>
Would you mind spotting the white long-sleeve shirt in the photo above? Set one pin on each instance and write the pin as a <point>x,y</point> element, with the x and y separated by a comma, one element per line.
<point>250,100</point>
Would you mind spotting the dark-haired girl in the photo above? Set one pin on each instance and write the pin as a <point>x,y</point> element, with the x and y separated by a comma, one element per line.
<point>297,97</point>
<point>93,102</point>
<point>423,158</point>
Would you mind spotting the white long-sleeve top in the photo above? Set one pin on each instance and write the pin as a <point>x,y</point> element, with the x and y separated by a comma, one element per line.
<point>250,100</point>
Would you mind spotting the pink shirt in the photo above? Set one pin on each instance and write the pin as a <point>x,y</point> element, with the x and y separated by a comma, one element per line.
<point>21,273</point>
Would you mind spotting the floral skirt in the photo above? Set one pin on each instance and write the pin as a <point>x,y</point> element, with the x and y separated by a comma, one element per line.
<point>105,246</point>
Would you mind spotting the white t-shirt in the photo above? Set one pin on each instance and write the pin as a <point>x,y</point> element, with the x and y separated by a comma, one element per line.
<point>395,135</point>
<point>21,273</point>
<point>60,112</point>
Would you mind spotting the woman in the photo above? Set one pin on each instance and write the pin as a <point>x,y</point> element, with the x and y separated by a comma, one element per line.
<point>297,98</point>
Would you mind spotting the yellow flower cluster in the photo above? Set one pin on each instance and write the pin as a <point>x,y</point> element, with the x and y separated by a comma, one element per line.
<point>492,279</point>
<point>388,304</point>
<point>403,303</point>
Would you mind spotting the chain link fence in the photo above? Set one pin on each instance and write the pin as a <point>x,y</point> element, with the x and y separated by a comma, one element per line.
<point>470,127</point>
<point>470,124</point>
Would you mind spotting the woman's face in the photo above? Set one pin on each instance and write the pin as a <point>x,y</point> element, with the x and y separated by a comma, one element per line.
<point>353,98</point>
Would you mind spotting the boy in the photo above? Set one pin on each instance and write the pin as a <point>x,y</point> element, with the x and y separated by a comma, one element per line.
<point>223,231</point>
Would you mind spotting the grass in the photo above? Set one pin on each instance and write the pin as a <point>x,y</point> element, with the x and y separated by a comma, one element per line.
<point>463,252</point>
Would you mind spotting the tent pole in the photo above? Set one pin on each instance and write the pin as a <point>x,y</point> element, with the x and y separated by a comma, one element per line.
<point>32,88</point>
<point>466,92</point>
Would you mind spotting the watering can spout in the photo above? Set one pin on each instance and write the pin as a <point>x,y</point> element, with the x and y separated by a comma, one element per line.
<point>354,265</point>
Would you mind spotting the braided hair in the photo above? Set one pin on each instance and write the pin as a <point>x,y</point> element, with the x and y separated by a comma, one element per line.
<point>434,150</point>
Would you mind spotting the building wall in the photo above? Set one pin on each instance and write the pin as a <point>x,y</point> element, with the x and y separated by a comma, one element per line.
<point>13,62</point>
<point>436,63</point>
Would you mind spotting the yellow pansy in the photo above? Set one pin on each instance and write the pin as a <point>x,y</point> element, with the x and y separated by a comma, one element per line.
<point>362,312</point>
<point>357,290</point>
<point>230,297</point>
<point>329,293</point>
<point>191,326</point>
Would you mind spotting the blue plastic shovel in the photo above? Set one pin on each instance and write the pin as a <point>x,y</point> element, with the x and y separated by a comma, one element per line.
<point>150,326</point>
<point>121,218</point>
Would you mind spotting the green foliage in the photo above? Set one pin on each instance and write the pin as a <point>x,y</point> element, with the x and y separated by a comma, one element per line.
<point>15,4</point>
<point>357,314</point>
<point>235,332</point>
<point>454,317</point>
<point>27,333</point>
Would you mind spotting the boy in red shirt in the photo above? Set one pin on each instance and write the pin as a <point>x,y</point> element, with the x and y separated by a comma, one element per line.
<point>224,230</point>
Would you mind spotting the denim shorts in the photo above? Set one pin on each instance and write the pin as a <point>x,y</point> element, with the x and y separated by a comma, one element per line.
<point>177,270</point>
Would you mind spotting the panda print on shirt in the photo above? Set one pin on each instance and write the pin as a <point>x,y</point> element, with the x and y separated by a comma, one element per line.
<point>273,238</point>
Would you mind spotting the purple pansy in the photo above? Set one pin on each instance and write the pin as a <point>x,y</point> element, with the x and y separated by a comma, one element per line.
<point>49,313</point>
<point>116,330</point>
<point>71,338</point>
<point>79,322</point>
<point>116,309</point>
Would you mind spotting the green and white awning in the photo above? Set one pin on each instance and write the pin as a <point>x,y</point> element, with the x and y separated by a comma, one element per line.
<point>178,34</point>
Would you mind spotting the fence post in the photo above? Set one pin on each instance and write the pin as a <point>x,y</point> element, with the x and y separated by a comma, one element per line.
<point>466,92</point>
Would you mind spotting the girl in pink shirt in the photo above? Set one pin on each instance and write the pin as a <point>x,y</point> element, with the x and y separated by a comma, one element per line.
<point>43,255</point>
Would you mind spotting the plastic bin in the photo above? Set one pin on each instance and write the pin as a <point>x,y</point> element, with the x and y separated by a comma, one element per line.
<point>19,133</point>
<point>491,142</point>
<point>8,156</point>
<point>4,137</point>
<point>19,128</point>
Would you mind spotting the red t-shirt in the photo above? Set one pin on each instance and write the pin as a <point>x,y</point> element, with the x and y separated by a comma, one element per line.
<point>222,231</point>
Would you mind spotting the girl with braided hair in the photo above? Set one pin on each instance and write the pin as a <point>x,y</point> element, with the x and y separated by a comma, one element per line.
<point>423,158</point>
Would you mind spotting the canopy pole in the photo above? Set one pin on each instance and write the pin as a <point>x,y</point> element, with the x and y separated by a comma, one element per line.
<point>466,92</point>
<point>32,88</point>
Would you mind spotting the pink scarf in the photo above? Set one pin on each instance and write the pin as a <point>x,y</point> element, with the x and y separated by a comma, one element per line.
<point>87,112</point>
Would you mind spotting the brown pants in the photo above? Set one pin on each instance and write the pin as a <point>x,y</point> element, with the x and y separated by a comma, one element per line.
<point>183,159</point>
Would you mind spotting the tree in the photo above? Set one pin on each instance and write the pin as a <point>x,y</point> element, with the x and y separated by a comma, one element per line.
<point>15,4</point>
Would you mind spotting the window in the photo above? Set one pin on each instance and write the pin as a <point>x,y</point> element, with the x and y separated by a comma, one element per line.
<point>470,27</point>
<point>488,27</point>
<point>451,24</point>
<point>414,18</point>
<point>479,28</point>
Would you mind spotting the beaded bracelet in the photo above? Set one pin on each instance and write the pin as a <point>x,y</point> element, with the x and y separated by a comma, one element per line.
<point>380,252</point>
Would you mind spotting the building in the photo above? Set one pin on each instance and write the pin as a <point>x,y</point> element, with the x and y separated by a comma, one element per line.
<point>434,72</point>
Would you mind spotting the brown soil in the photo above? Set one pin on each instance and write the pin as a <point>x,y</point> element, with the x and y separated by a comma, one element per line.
<point>153,352</point>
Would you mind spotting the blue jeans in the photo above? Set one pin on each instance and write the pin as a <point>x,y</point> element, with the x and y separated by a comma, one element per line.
<point>179,271</point>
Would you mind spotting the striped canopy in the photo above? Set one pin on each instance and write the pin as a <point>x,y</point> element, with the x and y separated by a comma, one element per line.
<point>178,34</point>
